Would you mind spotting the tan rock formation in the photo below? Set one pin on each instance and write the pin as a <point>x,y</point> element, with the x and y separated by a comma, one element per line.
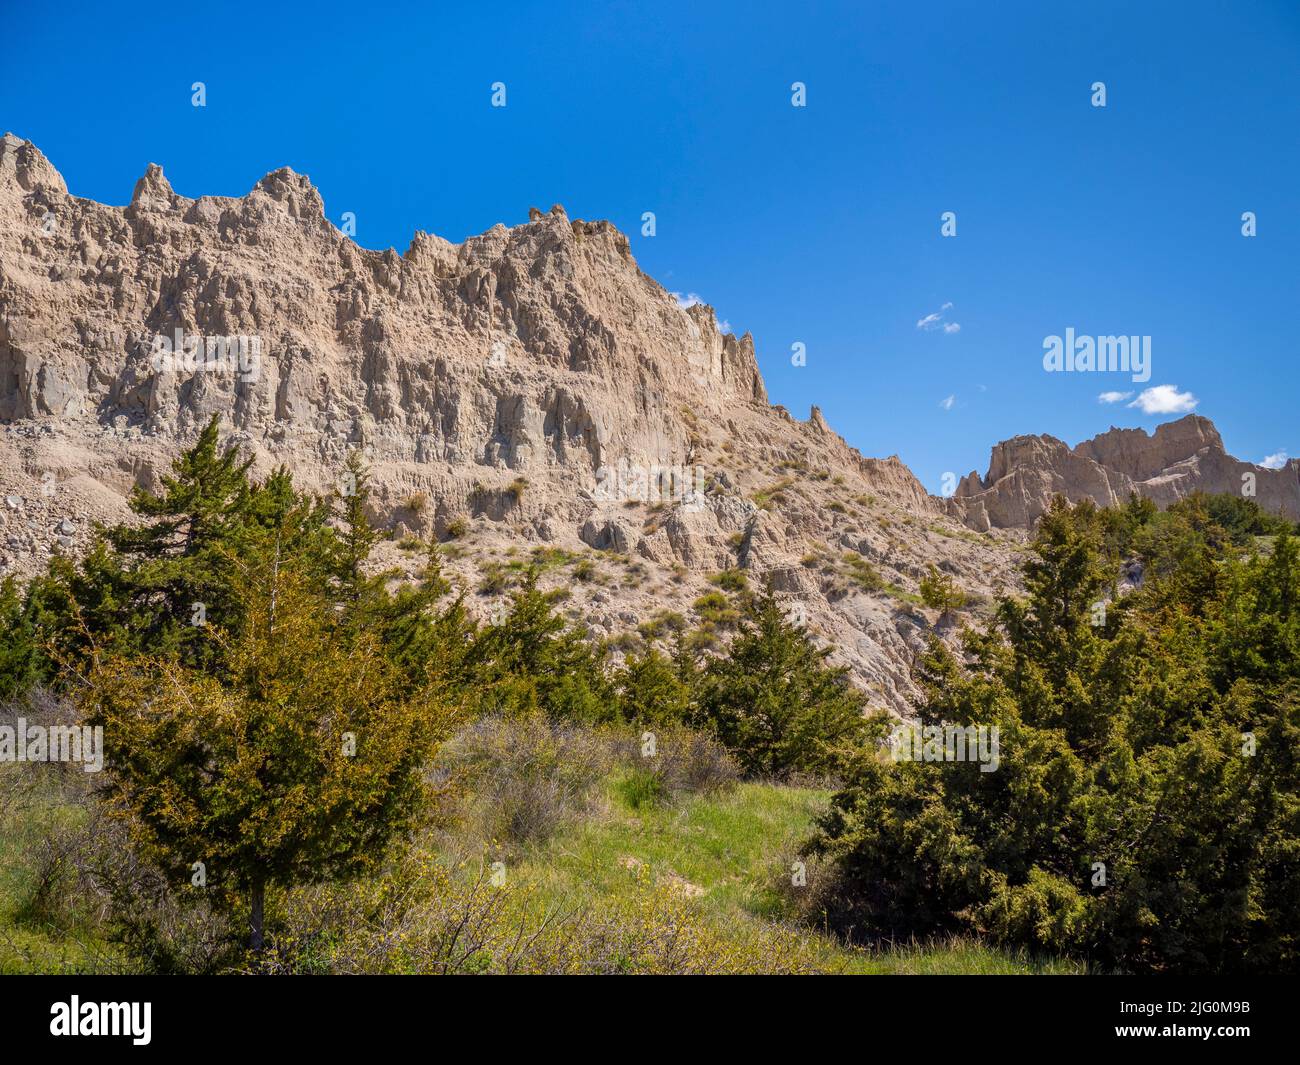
<point>529,388</point>
<point>1179,458</point>
<point>530,385</point>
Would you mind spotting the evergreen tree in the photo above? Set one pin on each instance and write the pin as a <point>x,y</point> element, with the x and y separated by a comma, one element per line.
<point>535,661</point>
<point>773,700</point>
<point>20,654</point>
<point>300,765</point>
<point>651,690</point>
<point>201,503</point>
<point>358,537</point>
<point>152,585</point>
<point>1143,811</point>
<point>940,592</point>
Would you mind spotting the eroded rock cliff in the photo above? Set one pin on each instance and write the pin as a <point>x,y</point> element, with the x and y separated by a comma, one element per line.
<point>528,392</point>
<point>529,388</point>
<point>1179,458</point>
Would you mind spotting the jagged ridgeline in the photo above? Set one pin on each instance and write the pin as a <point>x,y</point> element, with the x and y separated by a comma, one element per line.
<point>528,389</point>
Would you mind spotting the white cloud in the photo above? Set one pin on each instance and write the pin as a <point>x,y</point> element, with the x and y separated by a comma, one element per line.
<point>1113,397</point>
<point>948,402</point>
<point>1274,461</point>
<point>935,321</point>
<point>1164,399</point>
<point>724,326</point>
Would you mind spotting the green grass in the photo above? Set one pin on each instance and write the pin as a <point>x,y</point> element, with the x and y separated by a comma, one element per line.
<point>904,595</point>
<point>862,572</point>
<point>773,493</point>
<point>727,851</point>
<point>733,847</point>
<point>30,940</point>
<point>959,534</point>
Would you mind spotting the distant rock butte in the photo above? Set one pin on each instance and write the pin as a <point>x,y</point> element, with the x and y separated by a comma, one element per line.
<point>1179,458</point>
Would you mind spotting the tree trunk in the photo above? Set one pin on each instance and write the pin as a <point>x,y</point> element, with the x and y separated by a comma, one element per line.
<point>255,918</point>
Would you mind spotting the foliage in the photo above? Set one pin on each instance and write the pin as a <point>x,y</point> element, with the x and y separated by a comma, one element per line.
<point>300,766</point>
<point>730,580</point>
<point>1146,808</point>
<point>510,781</point>
<point>273,706</point>
<point>940,592</point>
<point>651,690</point>
<point>773,700</point>
<point>21,659</point>
<point>863,573</point>
<point>535,661</point>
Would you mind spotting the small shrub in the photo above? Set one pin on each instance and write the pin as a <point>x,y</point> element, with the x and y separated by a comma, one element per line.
<point>640,788</point>
<point>693,762</point>
<point>665,621</point>
<point>863,573</point>
<point>940,592</point>
<point>731,580</point>
<point>547,558</point>
<point>685,762</point>
<point>518,780</point>
<point>774,493</point>
<point>715,608</point>
<point>495,579</point>
<point>626,642</point>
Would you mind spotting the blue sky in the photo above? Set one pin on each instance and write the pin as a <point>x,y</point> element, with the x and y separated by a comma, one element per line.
<point>818,225</point>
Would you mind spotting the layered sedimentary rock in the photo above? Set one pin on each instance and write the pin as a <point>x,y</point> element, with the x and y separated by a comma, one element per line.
<point>528,388</point>
<point>1179,458</point>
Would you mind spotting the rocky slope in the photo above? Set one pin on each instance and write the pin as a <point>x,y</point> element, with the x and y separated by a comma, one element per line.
<point>1180,457</point>
<point>528,390</point>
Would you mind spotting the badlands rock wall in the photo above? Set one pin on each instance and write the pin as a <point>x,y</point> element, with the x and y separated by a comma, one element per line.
<point>1179,458</point>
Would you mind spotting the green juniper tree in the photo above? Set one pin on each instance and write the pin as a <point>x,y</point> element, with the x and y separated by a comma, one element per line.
<point>534,660</point>
<point>268,703</point>
<point>1145,811</point>
<point>154,583</point>
<point>773,700</point>
<point>940,592</point>
<point>652,690</point>
<point>300,765</point>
